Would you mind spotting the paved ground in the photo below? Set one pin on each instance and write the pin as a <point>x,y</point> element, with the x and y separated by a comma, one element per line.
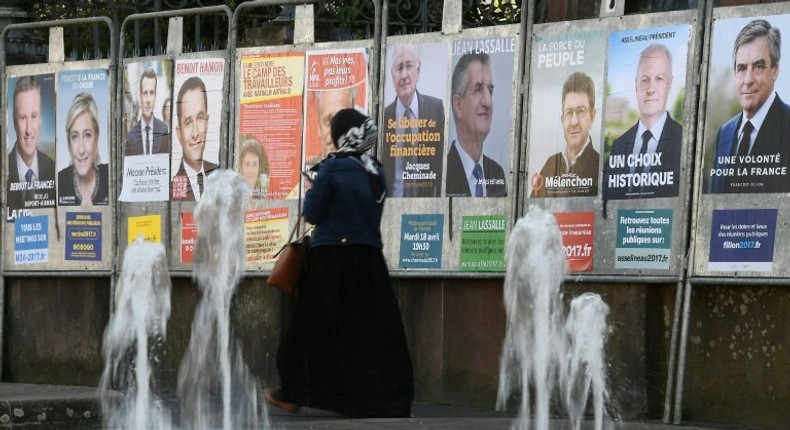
<point>63,407</point>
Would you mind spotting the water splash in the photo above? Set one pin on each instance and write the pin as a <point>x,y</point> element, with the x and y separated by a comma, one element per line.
<point>218,267</point>
<point>212,366</point>
<point>542,348</point>
<point>142,299</point>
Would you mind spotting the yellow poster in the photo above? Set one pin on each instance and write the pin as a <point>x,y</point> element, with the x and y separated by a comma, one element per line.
<point>265,232</point>
<point>148,226</point>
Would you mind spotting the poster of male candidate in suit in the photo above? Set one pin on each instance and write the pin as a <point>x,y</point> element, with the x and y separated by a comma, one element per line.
<point>197,111</point>
<point>481,112</point>
<point>747,127</point>
<point>644,112</point>
<point>413,125</point>
<point>567,87</point>
<point>146,146</point>
<point>30,178</point>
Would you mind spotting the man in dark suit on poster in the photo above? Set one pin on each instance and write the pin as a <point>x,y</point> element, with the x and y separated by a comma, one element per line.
<point>752,147</point>
<point>470,173</point>
<point>31,173</point>
<point>408,119</point>
<point>645,160</point>
<point>150,135</point>
<point>192,111</point>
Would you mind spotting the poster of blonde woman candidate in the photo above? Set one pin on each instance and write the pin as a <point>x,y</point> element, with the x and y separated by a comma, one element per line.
<point>413,125</point>
<point>197,110</point>
<point>567,88</point>
<point>480,131</point>
<point>747,127</point>
<point>83,160</point>
<point>644,109</point>
<point>146,147</point>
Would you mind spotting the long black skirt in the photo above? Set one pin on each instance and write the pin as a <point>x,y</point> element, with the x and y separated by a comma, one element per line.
<point>345,348</point>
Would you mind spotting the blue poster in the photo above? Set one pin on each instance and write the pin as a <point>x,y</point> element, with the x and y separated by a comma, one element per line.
<point>644,239</point>
<point>742,239</point>
<point>421,241</point>
<point>83,236</point>
<point>31,240</point>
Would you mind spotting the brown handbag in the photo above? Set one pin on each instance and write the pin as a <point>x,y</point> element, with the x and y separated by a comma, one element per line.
<point>289,265</point>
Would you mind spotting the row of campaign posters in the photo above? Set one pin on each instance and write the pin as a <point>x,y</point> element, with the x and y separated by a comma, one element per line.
<point>606,114</point>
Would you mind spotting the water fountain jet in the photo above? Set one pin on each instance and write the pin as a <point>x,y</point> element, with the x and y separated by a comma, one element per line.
<point>543,349</point>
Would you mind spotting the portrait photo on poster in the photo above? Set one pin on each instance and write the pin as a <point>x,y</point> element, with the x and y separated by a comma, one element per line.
<point>567,89</point>
<point>644,112</point>
<point>414,118</point>
<point>479,143</point>
<point>747,126</point>
<point>83,135</point>
<point>196,114</point>
<point>147,142</point>
<point>30,141</point>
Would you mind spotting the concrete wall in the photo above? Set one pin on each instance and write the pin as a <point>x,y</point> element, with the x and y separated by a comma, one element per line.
<point>738,358</point>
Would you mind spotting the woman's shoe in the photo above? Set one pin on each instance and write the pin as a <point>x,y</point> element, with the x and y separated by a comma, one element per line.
<point>271,398</point>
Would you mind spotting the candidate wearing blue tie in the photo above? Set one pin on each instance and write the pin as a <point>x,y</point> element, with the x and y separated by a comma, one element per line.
<point>470,173</point>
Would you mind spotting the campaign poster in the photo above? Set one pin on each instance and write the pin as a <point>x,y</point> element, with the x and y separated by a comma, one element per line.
<point>30,143</point>
<point>747,116</point>
<point>31,239</point>
<point>149,227</point>
<point>643,130</point>
<point>83,135</point>
<point>83,236</point>
<point>742,240</point>
<point>578,231</point>
<point>147,138</point>
<point>270,123</point>
<point>196,116</point>
<point>336,80</point>
<point>265,233</point>
<point>480,132</point>
<point>644,239</point>
<point>415,85</point>
<point>421,241</point>
<point>188,237</point>
<point>483,243</point>
<point>567,87</point>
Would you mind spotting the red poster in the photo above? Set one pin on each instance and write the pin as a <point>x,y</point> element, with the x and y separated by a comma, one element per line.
<point>188,237</point>
<point>335,80</point>
<point>577,239</point>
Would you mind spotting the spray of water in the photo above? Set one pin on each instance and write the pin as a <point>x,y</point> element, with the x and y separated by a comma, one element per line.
<point>208,366</point>
<point>142,300</point>
<point>212,366</point>
<point>543,349</point>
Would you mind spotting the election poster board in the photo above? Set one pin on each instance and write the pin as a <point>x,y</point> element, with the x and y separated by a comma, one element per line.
<point>593,92</point>
<point>58,182</point>
<point>745,155</point>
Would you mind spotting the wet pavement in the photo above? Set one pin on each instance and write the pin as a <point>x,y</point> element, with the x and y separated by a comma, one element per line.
<point>68,407</point>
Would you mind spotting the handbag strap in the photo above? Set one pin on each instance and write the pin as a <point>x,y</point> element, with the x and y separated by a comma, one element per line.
<point>290,239</point>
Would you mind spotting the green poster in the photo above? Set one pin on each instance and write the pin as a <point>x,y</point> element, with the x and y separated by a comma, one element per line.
<point>483,243</point>
<point>643,239</point>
